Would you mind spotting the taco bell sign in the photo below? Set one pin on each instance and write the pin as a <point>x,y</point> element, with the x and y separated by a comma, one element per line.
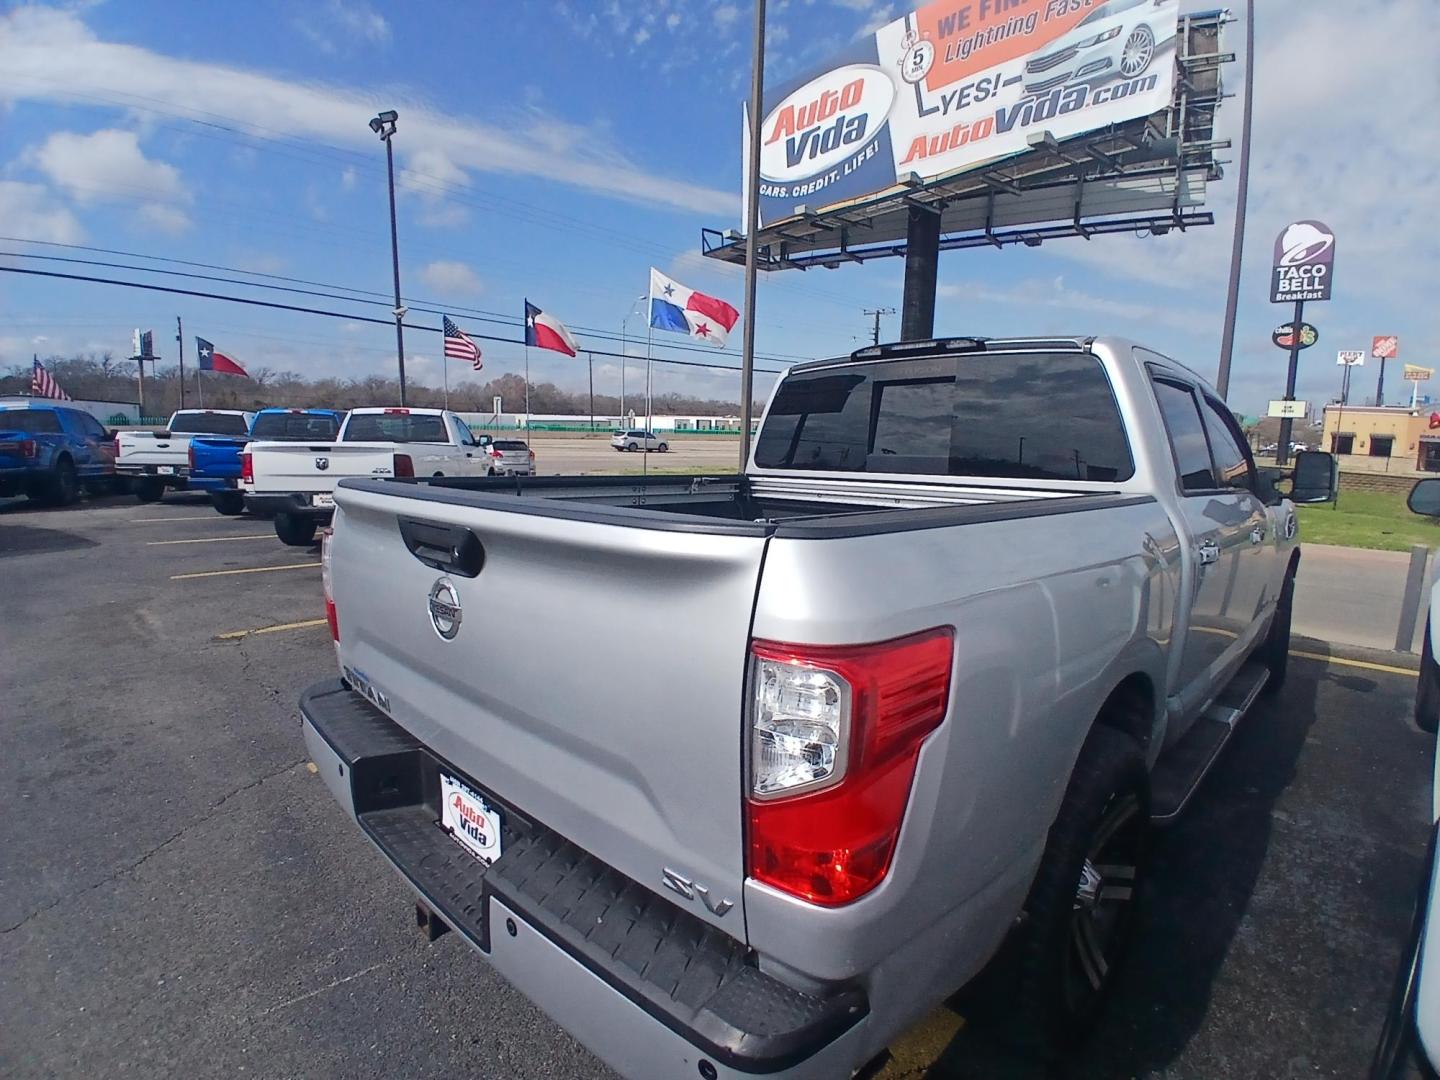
<point>1304,263</point>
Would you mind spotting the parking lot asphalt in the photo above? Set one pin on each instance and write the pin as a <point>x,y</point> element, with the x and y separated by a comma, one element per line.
<point>180,896</point>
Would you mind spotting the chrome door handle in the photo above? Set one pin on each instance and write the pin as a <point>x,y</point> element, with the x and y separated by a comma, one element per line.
<point>1208,553</point>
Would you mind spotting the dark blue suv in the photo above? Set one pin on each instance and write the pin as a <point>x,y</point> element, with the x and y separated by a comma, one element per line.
<point>50,451</point>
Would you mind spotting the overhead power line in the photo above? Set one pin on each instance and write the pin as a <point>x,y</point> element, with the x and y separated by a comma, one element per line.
<point>349,316</point>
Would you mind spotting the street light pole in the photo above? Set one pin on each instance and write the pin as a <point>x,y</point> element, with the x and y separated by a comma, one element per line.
<point>384,126</point>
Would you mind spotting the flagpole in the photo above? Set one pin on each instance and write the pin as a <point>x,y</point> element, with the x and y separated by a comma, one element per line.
<point>649,404</point>
<point>445,369</point>
<point>752,226</point>
<point>527,387</point>
<point>180,340</point>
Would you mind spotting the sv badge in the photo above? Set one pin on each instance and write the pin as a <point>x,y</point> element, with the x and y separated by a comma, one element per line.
<point>690,890</point>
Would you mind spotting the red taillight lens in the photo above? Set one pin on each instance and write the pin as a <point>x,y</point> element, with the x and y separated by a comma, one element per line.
<point>28,448</point>
<point>404,466</point>
<point>190,455</point>
<point>247,468</point>
<point>117,447</point>
<point>841,726</point>
<point>331,616</point>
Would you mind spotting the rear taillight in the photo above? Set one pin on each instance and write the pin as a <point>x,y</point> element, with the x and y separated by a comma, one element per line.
<point>326,536</point>
<point>494,453</point>
<point>28,448</point>
<point>404,466</point>
<point>190,455</point>
<point>835,732</point>
<point>247,467</point>
<point>117,447</point>
<point>532,457</point>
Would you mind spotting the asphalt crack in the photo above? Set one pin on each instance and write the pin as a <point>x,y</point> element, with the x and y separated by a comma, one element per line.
<point>135,864</point>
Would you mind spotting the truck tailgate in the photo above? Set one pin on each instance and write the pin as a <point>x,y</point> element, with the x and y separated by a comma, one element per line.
<point>146,448</point>
<point>284,467</point>
<point>615,723</point>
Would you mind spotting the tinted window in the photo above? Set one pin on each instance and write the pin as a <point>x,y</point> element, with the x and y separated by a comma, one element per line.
<point>1187,436</point>
<point>296,426</point>
<point>82,423</point>
<point>35,421</point>
<point>510,444</point>
<point>1047,416</point>
<point>199,423</point>
<point>395,427</point>
<point>1226,446</point>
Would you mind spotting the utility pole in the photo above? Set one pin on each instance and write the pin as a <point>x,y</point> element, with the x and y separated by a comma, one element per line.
<point>877,312</point>
<point>1237,243</point>
<point>752,226</point>
<point>384,126</point>
<point>180,337</point>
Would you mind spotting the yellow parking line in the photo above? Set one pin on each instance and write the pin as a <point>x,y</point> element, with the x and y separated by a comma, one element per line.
<point>917,1049</point>
<point>210,540</point>
<point>1366,664</point>
<point>251,570</point>
<point>233,634</point>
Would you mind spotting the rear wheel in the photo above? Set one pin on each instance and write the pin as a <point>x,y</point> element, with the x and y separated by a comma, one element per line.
<point>1082,905</point>
<point>149,490</point>
<point>631,447</point>
<point>294,530</point>
<point>63,487</point>
<point>1275,653</point>
<point>663,448</point>
<point>229,503</point>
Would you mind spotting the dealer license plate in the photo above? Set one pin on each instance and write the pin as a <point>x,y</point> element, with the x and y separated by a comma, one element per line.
<point>467,817</point>
<point>166,470</point>
<point>322,500</point>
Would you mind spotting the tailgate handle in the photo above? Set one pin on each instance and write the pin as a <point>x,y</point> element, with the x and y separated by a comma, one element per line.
<point>451,548</point>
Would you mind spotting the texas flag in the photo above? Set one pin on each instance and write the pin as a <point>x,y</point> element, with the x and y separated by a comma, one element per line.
<point>211,360</point>
<point>547,332</point>
<point>685,311</point>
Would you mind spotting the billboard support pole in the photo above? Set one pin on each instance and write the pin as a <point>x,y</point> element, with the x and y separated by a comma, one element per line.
<point>1282,451</point>
<point>752,227</point>
<point>180,340</point>
<point>1380,386</point>
<point>1237,246</point>
<point>922,266</point>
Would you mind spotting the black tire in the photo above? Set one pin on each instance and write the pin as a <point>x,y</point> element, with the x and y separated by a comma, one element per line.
<point>149,490</point>
<point>294,530</point>
<point>1427,693</point>
<point>229,503</point>
<point>63,486</point>
<point>664,448</point>
<point>631,447</point>
<point>1275,653</point>
<point>1081,912</point>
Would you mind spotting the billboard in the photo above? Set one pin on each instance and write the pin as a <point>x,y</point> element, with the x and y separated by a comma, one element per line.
<point>1385,347</point>
<point>1415,373</point>
<point>1303,268</point>
<point>957,83</point>
<point>1350,357</point>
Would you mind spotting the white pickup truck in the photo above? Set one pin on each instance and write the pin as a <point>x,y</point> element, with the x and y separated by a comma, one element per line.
<point>156,460</point>
<point>295,481</point>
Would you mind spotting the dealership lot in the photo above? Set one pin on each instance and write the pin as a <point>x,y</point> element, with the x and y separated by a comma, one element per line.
<point>179,895</point>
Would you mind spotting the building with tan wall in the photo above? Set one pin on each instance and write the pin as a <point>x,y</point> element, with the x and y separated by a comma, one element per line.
<point>1383,439</point>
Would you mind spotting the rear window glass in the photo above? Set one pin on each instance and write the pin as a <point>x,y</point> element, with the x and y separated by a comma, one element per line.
<point>294,426</point>
<point>34,421</point>
<point>395,427</point>
<point>1023,416</point>
<point>509,444</point>
<point>196,423</point>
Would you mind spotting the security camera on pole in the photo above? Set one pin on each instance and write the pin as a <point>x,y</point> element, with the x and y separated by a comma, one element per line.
<point>1303,270</point>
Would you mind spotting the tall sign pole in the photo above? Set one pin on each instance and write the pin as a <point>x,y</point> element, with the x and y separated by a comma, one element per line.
<point>180,338</point>
<point>1302,270</point>
<point>1237,244</point>
<point>752,226</point>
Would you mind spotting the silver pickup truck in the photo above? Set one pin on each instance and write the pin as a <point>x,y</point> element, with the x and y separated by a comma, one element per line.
<point>977,614</point>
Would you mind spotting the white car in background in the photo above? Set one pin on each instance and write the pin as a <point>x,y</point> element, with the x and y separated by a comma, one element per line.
<point>1117,40</point>
<point>636,439</point>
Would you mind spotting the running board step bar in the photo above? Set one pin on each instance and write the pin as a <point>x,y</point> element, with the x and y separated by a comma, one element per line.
<point>1181,769</point>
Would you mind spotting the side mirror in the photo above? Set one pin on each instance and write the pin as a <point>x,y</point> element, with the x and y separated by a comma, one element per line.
<point>1268,484</point>
<point>1317,477</point>
<point>1425,498</point>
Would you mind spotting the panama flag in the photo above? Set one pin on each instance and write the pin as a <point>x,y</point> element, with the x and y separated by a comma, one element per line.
<point>212,360</point>
<point>547,332</point>
<point>685,311</point>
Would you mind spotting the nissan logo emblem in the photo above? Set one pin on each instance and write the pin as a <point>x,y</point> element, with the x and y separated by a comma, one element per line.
<point>322,463</point>
<point>444,606</point>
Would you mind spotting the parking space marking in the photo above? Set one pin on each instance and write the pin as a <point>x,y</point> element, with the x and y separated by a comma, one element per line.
<point>217,519</point>
<point>1366,664</point>
<point>919,1047</point>
<point>211,539</point>
<point>249,570</point>
<point>236,634</point>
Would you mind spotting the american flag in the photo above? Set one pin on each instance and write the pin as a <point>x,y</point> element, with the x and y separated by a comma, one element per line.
<point>459,347</point>
<point>42,384</point>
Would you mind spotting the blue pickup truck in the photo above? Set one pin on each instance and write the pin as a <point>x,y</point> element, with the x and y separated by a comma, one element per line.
<point>50,451</point>
<point>215,459</point>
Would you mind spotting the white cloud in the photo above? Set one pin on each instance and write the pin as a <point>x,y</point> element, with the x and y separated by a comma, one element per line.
<point>347,178</point>
<point>51,55</point>
<point>1040,298</point>
<point>170,220</point>
<point>29,210</point>
<point>672,20</point>
<point>340,23</point>
<point>725,15</point>
<point>105,165</point>
<point>641,36</point>
<point>451,278</point>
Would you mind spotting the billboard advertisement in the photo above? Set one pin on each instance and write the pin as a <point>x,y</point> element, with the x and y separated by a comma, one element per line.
<point>1304,263</point>
<point>957,83</point>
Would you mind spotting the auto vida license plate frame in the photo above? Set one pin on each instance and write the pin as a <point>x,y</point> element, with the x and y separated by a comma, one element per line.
<point>470,819</point>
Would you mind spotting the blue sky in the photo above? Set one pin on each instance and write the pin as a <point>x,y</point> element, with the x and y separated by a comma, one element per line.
<point>556,151</point>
